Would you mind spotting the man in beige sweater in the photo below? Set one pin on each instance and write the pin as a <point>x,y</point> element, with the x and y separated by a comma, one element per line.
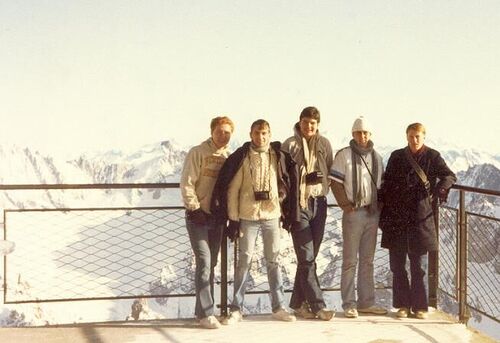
<point>253,205</point>
<point>201,168</point>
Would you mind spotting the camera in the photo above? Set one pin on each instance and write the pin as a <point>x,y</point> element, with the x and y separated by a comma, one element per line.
<point>261,195</point>
<point>314,178</point>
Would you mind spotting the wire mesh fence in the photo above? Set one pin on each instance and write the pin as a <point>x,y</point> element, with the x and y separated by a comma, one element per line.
<point>483,264</point>
<point>97,254</point>
<point>110,253</point>
<point>328,262</point>
<point>448,219</point>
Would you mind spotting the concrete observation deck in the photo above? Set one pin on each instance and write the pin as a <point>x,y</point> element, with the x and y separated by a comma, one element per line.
<point>438,328</point>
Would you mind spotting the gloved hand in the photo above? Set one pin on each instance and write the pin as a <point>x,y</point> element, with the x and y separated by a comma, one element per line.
<point>233,230</point>
<point>197,216</point>
<point>442,195</point>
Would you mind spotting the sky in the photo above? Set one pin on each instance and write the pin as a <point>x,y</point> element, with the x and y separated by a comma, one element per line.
<point>117,74</point>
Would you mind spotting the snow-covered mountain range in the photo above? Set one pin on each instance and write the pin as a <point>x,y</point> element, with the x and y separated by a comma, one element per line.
<point>159,162</point>
<point>162,163</point>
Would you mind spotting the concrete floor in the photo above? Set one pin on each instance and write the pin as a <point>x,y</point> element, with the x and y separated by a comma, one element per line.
<point>438,328</point>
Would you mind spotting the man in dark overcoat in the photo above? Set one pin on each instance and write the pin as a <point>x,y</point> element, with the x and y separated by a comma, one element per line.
<point>415,176</point>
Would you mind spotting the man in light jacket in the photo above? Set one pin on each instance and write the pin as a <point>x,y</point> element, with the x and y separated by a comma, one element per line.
<point>356,175</point>
<point>259,180</point>
<point>201,168</point>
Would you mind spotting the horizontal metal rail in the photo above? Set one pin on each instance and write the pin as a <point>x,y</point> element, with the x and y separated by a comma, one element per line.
<point>87,186</point>
<point>169,185</point>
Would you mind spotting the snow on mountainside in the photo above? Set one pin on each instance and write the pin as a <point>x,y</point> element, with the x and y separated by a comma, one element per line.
<point>151,163</point>
<point>458,159</point>
<point>155,163</point>
<point>485,176</point>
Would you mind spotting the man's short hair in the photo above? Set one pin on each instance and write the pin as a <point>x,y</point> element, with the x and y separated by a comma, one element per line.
<point>416,127</point>
<point>221,121</point>
<point>310,112</point>
<point>260,124</point>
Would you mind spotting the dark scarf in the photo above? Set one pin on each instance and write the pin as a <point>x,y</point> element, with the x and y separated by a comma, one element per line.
<point>357,154</point>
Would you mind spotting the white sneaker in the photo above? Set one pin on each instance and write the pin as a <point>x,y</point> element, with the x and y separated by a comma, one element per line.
<point>351,313</point>
<point>210,322</point>
<point>373,310</point>
<point>283,315</point>
<point>234,317</point>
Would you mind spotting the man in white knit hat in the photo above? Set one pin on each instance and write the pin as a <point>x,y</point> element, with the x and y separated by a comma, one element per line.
<point>356,175</point>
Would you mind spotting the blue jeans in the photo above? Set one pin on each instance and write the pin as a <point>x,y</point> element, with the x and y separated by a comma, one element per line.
<point>307,239</point>
<point>271,239</point>
<point>205,242</point>
<point>359,234</point>
<point>405,294</point>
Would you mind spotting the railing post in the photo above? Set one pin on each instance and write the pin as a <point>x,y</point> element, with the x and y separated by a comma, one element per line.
<point>223,275</point>
<point>433,265</point>
<point>462,261</point>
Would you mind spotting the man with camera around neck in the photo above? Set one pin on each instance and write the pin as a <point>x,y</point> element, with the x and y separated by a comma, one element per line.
<point>356,175</point>
<point>260,182</point>
<point>313,154</point>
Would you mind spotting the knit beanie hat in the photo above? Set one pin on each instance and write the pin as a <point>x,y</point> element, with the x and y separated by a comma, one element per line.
<point>361,124</point>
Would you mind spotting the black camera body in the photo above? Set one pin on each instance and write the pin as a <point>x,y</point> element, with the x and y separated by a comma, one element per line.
<point>314,178</point>
<point>261,195</point>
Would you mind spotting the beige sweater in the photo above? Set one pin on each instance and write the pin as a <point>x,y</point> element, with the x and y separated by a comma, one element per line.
<point>200,171</point>
<point>254,173</point>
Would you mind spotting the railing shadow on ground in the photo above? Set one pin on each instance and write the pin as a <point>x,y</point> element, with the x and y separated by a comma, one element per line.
<point>143,252</point>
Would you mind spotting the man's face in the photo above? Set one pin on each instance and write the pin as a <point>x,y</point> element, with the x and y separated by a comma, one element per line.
<point>260,136</point>
<point>362,138</point>
<point>221,135</point>
<point>308,127</point>
<point>415,140</point>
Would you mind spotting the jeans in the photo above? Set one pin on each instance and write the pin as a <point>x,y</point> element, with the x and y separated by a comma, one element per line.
<point>271,239</point>
<point>405,294</point>
<point>205,242</point>
<point>359,233</point>
<point>307,239</point>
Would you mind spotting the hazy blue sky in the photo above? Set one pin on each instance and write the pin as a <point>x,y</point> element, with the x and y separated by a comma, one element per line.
<point>78,75</point>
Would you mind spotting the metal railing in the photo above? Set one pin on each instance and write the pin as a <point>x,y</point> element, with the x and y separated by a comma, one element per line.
<point>105,252</point>
<point>467,265</point>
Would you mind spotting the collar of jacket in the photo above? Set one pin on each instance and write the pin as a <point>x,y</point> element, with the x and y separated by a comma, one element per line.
<point>245,148</point>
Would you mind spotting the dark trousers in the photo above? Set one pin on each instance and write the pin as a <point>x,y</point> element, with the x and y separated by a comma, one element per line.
<point>205,242</point>
<point>307,239</point>
<point>406,293</point>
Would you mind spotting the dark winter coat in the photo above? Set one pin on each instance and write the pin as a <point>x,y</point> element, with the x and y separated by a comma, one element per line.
<point>407,220</point>
<point>288,186</point>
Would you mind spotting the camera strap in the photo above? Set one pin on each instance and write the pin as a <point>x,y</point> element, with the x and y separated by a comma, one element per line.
<point>418,170</point>
<point>368,169</point>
